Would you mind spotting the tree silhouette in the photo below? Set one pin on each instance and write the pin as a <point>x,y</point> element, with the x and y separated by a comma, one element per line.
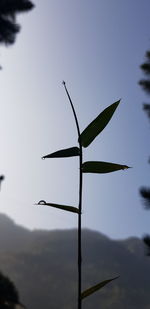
<point>9,296</point>
<point>9,28</point>
<point>2,177</point>
<point>145,83</point>
<point>8,25</point>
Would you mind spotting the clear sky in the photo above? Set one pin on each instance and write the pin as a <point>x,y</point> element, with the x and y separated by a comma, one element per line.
<point>96,46</point>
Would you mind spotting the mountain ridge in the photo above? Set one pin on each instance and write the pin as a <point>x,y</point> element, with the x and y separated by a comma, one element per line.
<point>43,266</point>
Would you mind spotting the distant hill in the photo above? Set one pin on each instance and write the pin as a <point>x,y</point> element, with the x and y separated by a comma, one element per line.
<point>43,266</point>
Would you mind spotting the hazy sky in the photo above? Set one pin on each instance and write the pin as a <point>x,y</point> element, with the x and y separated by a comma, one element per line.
<point>96,46</point>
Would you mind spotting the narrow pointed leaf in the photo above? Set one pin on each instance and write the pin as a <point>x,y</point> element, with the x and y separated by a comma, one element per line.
<point>62,207</point>
<point>101,167</point>
<point>96,287</point>
<point>69,152</point>
<point>97,125</point>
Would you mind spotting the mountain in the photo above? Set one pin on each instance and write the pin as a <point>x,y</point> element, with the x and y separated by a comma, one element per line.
<point>43,266</point>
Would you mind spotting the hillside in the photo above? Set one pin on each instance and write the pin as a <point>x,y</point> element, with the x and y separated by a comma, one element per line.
<point>43,266</point>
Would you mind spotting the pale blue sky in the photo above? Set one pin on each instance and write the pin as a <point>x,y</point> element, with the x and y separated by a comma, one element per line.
<point>96,47</point>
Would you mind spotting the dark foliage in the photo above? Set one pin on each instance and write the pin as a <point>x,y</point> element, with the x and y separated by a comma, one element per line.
<point>146,65</point>
<point>15,6</point>
<point>8,294</point>
<point>2,177</point>
<point>145,83</point>
<point>146,108</point>
<point>146,240</point>
<point>145,193</point>
<point>8,30</point>
<point>8,25</point>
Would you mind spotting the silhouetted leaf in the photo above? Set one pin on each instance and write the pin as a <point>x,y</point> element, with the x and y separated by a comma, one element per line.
<point>101,167</point>
<point>97,125</point>
<point>69,152</point>
<point>62,207</point>
<point>96,287</point>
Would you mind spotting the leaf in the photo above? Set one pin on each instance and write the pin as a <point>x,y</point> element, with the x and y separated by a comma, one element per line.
<point>69,152</point>
<point>101,167</point>
<point>96,287</point>
<point>63,207</point>
<point>97,125</point>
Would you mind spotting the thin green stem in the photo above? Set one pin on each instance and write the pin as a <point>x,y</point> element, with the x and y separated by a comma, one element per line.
<point>80,205</point>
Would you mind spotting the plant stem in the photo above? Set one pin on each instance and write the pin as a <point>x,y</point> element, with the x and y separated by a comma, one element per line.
<point>80,205</point>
